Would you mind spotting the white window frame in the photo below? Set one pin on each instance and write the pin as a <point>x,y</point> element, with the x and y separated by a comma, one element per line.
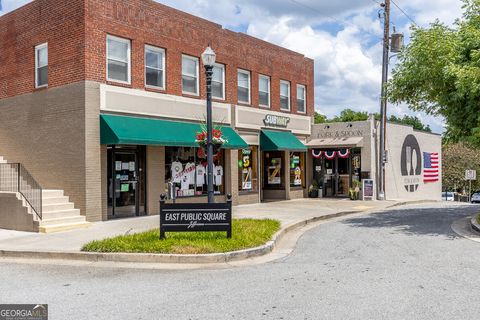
<point>269,90</point>
<point>304,98</point>
<point>37,49</point>
<point>289,94</point>
<point>249,86</point>
<point>197,61</point>
<point>158,50</point>
<point>129,59</point>
<point>222,66</point>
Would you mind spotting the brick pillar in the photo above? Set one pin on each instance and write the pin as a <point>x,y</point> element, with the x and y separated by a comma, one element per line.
<point>155,178</point>
<point>104,178</point>
<point>287,174</point>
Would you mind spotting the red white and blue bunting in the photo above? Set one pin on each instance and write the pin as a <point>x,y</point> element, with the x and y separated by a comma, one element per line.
<point>344,153</point>
<point>330,155</point>
<point>317,153</point>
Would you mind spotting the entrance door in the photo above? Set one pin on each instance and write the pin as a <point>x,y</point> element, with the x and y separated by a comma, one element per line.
<point>126,184</point>
<point>336,176</point>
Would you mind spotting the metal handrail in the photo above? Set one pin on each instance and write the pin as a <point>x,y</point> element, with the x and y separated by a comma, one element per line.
<point>14,177</point>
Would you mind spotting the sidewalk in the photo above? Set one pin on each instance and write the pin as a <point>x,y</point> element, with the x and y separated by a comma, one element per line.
<point>289,213</point>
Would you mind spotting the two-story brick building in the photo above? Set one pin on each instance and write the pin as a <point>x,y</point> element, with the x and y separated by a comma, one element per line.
<point>102,99</point>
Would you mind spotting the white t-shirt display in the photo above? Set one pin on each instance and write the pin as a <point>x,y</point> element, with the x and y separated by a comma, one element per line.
<point>190,172</point>
<point>218,175</point>
<point>177,174</point>
<point>185,182</point>
<point>201,175</point>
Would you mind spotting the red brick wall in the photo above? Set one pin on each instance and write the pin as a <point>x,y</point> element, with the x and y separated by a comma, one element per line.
<point>58,22</point>
<point>76,32</point>
<point>147,22</point>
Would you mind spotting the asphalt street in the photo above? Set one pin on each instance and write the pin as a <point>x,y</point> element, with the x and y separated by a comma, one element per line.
<point>406,263</point>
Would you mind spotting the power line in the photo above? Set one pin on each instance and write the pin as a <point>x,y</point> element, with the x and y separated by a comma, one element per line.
<point>403,11</point>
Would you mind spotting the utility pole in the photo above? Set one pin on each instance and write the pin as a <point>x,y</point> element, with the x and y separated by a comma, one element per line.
<point>383,99</point>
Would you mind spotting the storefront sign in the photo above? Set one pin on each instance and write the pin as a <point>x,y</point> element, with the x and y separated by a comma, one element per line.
<point>340,134</point>
<point>411,163</point>
<point>193,217</point>
<point>367,189</point>
<point>276,121</point>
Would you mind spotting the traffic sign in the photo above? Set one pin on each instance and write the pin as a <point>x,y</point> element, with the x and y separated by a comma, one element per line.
<point>470,175</point>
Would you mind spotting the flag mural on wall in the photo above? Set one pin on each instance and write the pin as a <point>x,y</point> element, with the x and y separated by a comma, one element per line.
<point>430,167</point>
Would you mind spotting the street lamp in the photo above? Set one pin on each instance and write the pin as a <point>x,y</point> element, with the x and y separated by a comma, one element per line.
<point>208,59</point>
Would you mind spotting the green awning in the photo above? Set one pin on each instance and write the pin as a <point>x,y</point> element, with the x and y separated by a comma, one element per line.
<point>144,131</point>
<point>280,141</point>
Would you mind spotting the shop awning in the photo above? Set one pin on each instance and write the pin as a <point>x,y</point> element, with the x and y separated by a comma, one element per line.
<point>336,142</point>
<point>280,141</point>
<point>144,131</point>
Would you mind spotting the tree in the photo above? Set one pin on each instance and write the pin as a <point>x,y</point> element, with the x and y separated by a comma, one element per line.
<point>439,73</point>
<point>456,158</point>
<point>319,118</point>
<point>411,121</point>
<point>348,115</point>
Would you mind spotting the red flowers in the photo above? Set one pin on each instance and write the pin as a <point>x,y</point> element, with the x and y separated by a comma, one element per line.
<point>201,136</point>
<point>217,134</point>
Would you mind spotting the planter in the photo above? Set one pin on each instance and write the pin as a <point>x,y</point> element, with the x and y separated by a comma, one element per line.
<point>313,193</point>
<point>216,147</point>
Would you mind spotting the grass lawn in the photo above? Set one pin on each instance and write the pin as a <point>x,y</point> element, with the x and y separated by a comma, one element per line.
<point>478,218</point>
<point>246,233</point>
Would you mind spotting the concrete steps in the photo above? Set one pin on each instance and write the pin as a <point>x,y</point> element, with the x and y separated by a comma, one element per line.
<point>58,213</point>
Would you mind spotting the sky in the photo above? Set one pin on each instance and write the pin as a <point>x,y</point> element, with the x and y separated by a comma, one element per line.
<point>343,37</point>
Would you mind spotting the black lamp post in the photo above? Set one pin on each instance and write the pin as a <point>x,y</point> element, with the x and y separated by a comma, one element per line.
<point>208,59</point>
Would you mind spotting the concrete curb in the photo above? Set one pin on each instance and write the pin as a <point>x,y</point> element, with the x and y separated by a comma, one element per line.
<point>179,258</point>
<point>474,223</point>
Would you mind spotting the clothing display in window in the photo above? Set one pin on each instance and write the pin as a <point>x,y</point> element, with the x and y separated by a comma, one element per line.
<point>185,184</point>
<point>177,172</point>
<point>190,172</point>
<point>218,175</point>
<point>200,175</point>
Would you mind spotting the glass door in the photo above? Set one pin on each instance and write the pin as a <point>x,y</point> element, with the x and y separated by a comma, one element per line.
<point>343,177</point>
<point>126,194</point>
<point>330,178</point>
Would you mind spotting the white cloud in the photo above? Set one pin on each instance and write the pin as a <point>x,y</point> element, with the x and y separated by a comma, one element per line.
<point>347,54</point>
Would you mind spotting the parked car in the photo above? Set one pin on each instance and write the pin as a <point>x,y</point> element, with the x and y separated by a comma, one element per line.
<point>475,198</point>
<point>448,196</point>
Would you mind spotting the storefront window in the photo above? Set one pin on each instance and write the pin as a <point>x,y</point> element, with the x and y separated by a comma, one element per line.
<point>187,169</point>
<point>297,169</point>
<point>273,168</point>
<point>247,169</point>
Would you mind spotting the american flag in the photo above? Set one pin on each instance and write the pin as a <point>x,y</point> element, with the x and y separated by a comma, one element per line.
<point>430,167</point>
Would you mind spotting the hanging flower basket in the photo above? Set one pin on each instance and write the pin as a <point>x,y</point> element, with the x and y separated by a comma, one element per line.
<point>217,140</point>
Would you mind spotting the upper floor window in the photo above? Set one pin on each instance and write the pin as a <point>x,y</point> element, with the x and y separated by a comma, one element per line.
<point>284,95</point>
<point>301,93</point>
<point>264,91</point>
<point>118,59</point>
<point>41,65</point>
<point>218,81</point>
<point>190,75</point>
<point>243,79</point>
<point>154,67</point>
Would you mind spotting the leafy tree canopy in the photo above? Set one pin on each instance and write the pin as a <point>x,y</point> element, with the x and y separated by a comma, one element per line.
<point>456,158</point>
<point>349,115</point>
<point>439,73</point>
